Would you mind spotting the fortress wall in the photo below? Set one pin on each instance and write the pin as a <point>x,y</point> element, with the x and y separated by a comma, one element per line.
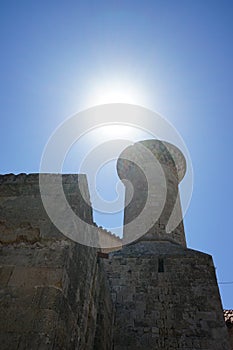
<point>230,332</point>
<point>166,297</point>
<point>52,296</point>
<point>22,214</point>
<point>54,293</point>
<point>108,241</point>
<point>53,290</point>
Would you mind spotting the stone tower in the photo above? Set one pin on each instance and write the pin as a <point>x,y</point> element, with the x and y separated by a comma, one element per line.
<point>154,169</point>
<point>154,293</point>
<point>165,295</point>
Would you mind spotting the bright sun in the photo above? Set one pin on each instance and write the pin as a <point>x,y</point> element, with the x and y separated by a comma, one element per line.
<point>115,91</point>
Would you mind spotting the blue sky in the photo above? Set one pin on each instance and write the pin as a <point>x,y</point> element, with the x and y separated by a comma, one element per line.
<point>174,57</point>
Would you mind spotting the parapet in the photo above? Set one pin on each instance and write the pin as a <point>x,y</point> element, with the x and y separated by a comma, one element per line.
<point>22,214</point>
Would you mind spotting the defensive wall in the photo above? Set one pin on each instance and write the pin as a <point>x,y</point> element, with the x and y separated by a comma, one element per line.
<point>151,292</point>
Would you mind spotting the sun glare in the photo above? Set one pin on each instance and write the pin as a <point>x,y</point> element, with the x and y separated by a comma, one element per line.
<point>115,92</point>
<point>116,131</point>
<point>106,133</point>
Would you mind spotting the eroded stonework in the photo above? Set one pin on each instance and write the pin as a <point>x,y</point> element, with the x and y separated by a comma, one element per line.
<point>166,297</point>
<point>54,293</point>
<point>154,293</point>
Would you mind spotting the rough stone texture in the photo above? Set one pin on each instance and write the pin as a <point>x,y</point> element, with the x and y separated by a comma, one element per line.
<point>58,294</point>
<point>53,291</point>
<point>166,297</point>
<point>108,241</point>
<point>51,297</point>
<point>150,163</point>
<point>22,214</point>
<point>228,315</point>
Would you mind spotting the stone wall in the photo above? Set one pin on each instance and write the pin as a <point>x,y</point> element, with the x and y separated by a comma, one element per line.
<point>53,291</point>
<point>108,241</point>
<point>166,297</point>
<point>22,214</point>
<point>52,296</point>
<point>58,294</point>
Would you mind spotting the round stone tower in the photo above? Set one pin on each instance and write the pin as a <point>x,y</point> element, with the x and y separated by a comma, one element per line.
<point>151,171</point>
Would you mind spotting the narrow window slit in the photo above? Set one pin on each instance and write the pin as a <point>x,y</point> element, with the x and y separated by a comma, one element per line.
<point>160,265</point>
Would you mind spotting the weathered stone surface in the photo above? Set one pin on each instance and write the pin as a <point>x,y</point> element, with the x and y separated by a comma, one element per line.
<point>166,297</point>
<point>57,294</point>
<point>55,305</point>
<point>52,291</point>
<point>154,169</point>
<point>108,241</point>
<point>22,214</point>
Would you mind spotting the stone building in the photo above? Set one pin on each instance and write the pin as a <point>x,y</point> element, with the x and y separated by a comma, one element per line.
<point>228,315</point>
<point>149,291</point>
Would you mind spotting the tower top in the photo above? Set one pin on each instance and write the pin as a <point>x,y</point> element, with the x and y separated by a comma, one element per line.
<point>154,170</point>
<point>165,153</point>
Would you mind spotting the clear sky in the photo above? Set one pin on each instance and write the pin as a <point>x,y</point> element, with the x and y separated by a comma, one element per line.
<point>174,57</point>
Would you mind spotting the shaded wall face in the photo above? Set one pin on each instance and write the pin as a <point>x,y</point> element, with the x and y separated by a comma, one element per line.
<point>166,297</point>
<point>136,201</point>
<point>53,296</point>
<point>139,182</point>
<point>53,291</point>
<point>230,332</point>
